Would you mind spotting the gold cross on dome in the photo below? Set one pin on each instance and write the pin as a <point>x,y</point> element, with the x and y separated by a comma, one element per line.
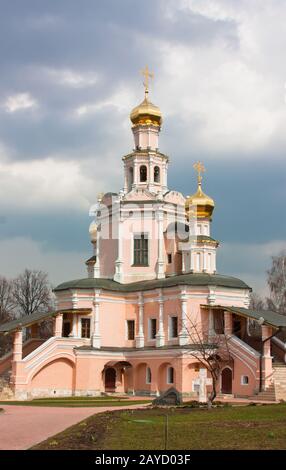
<point>199,167</point>
<point>145,72</point>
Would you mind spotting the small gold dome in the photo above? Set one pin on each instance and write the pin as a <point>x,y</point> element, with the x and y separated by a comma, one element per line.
<point>199,205</point>
<point>146,113</point>
<point>93,232</point>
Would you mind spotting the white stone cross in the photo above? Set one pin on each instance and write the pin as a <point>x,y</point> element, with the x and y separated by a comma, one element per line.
<point>202,382</point>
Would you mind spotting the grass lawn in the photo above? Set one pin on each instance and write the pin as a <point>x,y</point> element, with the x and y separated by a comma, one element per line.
<point>243,427</point>
<point>78,402</point>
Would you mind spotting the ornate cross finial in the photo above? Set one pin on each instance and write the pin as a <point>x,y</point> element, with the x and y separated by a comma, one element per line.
<point>199,167</point>
<point>145,72</point>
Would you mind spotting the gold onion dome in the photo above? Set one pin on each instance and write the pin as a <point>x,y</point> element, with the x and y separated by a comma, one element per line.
<point>199,205</point>
<point>146,113</point>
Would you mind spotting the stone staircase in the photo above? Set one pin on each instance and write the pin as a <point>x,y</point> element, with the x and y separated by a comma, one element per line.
<point>6,392</point>
<point>267,395</point>
<point>277,390</point>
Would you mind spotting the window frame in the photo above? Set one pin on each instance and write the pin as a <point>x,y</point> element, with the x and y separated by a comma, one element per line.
<point>81,327</point>
<point>157,177</point>
<point>171,336</point>
<point>128,322</point>
<point>140,254</point>
<point>145,169</point>
<point>150,329</point>
<point>169,382</point>
<point>242,380</point>
<point>148,376</point>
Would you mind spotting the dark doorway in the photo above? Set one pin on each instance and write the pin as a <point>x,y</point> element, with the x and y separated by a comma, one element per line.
<point>110,378</point>
<point>226,380</point>
<point>66,328</point>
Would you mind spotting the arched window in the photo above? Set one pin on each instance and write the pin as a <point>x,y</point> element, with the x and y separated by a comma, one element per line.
<point>148,375</point>
<point>156,174</point>
<point>170,375</point>
<point>131,175</point>
<point>198,261</point>
<point>143,173</point>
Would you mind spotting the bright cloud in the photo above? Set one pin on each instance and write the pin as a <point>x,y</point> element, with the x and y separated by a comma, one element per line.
<point>219,80</point>
<point>72,78</point>
<point>121,100</point>
<point>19,102</point>
<point>229,95</point>
<point>42,184</point>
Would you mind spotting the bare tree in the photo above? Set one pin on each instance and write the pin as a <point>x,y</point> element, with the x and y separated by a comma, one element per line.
<point>6,299</point>
<point>277,284</point>
<point>257,302</point>
<point>32,292</point>
<point>6,311</point>
<point>210,350</point>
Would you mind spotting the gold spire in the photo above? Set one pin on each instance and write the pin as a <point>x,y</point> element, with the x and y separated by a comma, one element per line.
<point>199,204</point>
<point>146,113</point>
<point>145,72</point>
<point>199,166</point>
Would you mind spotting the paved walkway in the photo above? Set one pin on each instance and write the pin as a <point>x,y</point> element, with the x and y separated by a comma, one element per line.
<point>22,427</point>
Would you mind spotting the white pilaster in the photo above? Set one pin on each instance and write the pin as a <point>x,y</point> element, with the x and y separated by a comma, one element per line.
<point>151,175</point>
<point>139,340</point>
<point>96,267</point>
<point>135,174</point>
<point>165,176</point>
<point>211,323</point>
<point>96,337</point>
<point>74,326</point>
<point>183,262</point>
<point>212,295</point>
<point>183,335</point>
<point>160,261</point>
<point>160,336</point>
<point>126,176</point>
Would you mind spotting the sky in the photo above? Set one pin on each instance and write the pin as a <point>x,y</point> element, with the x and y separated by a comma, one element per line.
<point>70,75</point>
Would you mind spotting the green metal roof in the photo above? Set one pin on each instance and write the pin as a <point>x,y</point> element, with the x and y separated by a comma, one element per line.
<point>271,318</point>
<point>191,279</point>
<point>27,320</point>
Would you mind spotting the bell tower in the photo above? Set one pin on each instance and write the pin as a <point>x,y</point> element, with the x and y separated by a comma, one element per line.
<point>146,167</point>
<point>199,253</point>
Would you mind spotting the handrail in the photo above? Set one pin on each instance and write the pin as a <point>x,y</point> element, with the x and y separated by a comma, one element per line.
<point>245,346</point>
<point>72,342</point>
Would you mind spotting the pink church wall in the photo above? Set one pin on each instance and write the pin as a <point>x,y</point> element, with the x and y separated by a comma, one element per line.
<point>87,376</point>
<point>59,374</point>
<point>112,324</point>
<point>131,227</point>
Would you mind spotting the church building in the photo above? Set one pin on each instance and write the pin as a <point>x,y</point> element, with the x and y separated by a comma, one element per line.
<point>152,281</point>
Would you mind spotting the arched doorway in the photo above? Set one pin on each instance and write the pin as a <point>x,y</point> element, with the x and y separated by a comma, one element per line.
<point>226,381</point>
<point>110,379</point>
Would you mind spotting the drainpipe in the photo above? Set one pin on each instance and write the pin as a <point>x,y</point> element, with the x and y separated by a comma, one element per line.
<point>262,351</point>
